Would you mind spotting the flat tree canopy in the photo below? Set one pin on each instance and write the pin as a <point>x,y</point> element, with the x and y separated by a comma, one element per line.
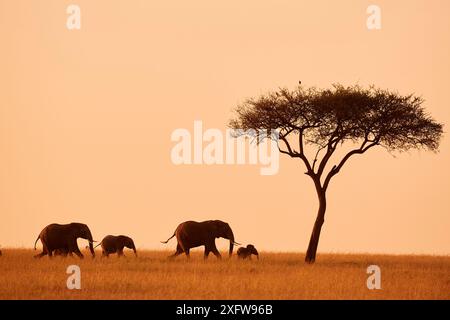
<point>325,119</point>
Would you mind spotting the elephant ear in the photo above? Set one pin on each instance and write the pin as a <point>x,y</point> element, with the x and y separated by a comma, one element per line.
<point>214,226</point>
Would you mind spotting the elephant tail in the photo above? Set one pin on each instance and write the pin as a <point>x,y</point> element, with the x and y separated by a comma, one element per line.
<point>97,245</point>
<point>39,236</point>
<point>169,238</point>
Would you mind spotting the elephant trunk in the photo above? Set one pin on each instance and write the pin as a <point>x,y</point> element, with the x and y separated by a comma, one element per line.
<point>256,254</point>
<point>91,249</point>
<point>231,238</point>
<point>91,244</point>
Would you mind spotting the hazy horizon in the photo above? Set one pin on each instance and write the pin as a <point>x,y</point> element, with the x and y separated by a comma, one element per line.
<point>86,118</point>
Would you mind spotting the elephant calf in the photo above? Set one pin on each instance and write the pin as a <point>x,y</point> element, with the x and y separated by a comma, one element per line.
<point>246,252</point>
<point>115,244</point>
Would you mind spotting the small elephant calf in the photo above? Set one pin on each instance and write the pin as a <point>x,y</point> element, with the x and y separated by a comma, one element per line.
<point>246,252</point>
<point>115,244</point>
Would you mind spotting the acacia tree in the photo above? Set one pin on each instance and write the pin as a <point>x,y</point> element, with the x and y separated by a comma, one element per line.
<point>329,119</point>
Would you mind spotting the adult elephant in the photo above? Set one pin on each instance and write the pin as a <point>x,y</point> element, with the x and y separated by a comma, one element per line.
<point>191,234</point>
<point>115,244</point>
<point>63,237</point>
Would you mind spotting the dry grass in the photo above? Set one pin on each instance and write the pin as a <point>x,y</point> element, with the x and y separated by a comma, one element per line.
<point>274,276</point>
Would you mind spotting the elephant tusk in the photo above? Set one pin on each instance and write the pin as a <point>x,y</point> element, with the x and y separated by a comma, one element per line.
<point>236,244</point>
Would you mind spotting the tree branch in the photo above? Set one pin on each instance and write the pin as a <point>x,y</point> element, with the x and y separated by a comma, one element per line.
<point>283,151</point>
<point>335,170</point>
<point>331,147</point>
<point>290,152</point>
<point>300,141</point>
<point>294,154</point>
<point>317,155</point>
<point>309,171</point>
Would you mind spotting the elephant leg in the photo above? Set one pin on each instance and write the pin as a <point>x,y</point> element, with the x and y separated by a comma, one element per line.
<point>74,248</point>
<point>50,253</point>
<point>177,252</point>
<point>78,253</point>
<point>120,253</point>
<point>211,247</point>
<point>40,255</point>
<point>44,251</point>
<point>216,252</point>
<point>206,253</point>
<point>187,253</point>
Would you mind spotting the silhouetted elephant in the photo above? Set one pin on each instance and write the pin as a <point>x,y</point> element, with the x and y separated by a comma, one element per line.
<point>115,244</point>
<point>246,252</point>
<point>64,237</point>
<point>191,234</point>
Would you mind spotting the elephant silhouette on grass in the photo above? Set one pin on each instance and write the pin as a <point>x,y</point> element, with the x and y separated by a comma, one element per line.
<point>246,252</point>
<point>191,234</point>
<point>115,244</point>
<point>63,237</point>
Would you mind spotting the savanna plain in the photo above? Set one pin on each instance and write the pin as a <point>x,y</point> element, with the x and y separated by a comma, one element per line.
<point>274,276</point>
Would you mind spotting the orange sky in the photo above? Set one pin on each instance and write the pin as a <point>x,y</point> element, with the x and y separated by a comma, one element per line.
<point>86,118</point>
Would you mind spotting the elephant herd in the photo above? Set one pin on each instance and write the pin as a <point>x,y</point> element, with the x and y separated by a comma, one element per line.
<point>61,239</point>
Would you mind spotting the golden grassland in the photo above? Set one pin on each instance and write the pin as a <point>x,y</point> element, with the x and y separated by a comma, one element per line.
<point>274,276</point>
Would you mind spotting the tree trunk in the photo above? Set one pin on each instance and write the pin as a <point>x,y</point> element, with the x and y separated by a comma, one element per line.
<point>315,235</point>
